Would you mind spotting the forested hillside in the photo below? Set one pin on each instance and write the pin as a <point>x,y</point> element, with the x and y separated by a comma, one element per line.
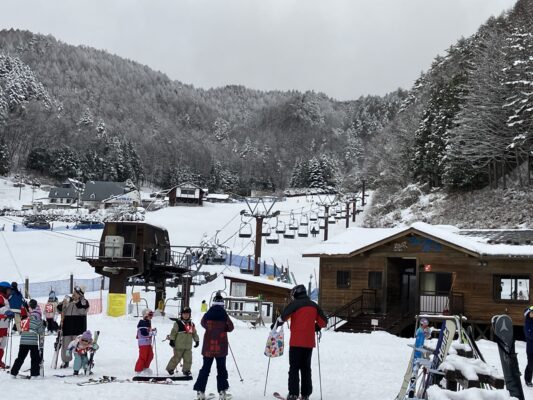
<point>467,123</point>
<point>103,117</point>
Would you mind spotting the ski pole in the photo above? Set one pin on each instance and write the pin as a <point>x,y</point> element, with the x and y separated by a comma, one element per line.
<point>235,361</point>
<point>11,342</point>
<point>318,336</point>
<point>266,379</point>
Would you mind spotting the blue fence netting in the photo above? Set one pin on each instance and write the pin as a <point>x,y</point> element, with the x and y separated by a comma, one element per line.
<point>62,286</point>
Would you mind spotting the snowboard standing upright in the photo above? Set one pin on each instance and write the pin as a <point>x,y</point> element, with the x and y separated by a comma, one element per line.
<point>41,355</point>
<point>502,326</point>
<point>57,348</point>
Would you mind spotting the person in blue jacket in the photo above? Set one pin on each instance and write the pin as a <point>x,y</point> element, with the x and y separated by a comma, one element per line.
<point>422,333</point>
<point>528,331</point>
<point>16,302</point>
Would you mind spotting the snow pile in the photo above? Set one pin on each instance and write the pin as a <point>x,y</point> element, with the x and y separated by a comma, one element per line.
<point>470,368</point>
<point>436,393</point>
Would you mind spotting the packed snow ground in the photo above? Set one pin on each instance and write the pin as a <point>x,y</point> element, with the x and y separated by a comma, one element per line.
<point>352,366</point>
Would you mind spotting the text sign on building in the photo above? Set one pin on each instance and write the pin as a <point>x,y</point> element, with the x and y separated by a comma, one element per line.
<point>427,268</point>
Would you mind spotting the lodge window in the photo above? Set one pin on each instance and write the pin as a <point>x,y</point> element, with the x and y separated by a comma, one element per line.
<point>438,282</point>
<point>509,287</point>
<point>188,192</point>
<point>343,279</point>
<point>375,279</point>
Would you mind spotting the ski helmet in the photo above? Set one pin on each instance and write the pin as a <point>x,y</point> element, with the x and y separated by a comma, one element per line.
<point>186,310</point>
<point>147,312</point>
<point>298,291</point>
<point>424,321</point>
<point>33,304</point>
<point>4,286</point>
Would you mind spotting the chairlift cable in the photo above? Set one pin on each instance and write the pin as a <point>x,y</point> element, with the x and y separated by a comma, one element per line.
<point>12,257</point>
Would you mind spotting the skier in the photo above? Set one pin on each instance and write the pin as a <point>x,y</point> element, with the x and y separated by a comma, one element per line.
<point>528,330</point>
<point>217,324</point>
<point>306,319</point>
<point>79,347</point>
<point>31,330</point>
<point>16,302</point>
<point>203,307</point>
<point>50,311</point>
<point>422,333</point>
<point>73,322</point>
<point>145,334</point>
<point>6,315</point>
<point>181,337</point>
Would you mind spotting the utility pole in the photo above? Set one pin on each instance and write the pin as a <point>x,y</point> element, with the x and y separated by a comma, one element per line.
<point>354,211</point>
<point>363,195</point>
<point>347,214</point>
<point>259,216</point>
<point>326,220</point>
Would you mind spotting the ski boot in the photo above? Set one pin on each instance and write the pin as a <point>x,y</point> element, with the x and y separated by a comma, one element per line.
<point>223,395</point>
<point>200,395</point>
<point>187,373</point>
<point>292,397</point>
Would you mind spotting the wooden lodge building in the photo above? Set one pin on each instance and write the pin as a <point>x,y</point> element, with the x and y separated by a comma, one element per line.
<point>186,194</point>
<point>392,274</point>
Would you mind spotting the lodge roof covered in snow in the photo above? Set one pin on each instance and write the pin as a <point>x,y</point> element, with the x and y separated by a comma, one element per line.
<point>257,279</point>
<point>503,243</point>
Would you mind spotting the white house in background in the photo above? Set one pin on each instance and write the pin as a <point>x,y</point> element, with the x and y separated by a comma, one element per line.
<point>218,198</point>
<point>132,198</point>
<point>64,196</point>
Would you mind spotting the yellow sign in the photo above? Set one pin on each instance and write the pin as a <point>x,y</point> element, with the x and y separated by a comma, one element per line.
<point>136,297</point>
<point>116,304</point>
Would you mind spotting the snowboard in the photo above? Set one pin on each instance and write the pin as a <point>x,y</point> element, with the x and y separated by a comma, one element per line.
<point>502,326</point>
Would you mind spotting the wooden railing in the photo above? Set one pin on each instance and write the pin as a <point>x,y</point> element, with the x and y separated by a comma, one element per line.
<point>364,303</point>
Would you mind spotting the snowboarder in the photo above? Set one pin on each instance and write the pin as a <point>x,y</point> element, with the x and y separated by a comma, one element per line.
<point>73,320</point>
<point>306,319</point>
<point>50,311</point>
<point>6,315</point>
<point>181,338</point>
<point>16,302</point>
<point>528,330</point>
<point>145,335</point>
<point>217,324</point>
<point>80,347</point>
<point>32,328</point>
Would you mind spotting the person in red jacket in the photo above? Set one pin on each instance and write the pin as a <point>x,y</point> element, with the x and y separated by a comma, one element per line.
<point>307,318</point>
<point>6,315</point>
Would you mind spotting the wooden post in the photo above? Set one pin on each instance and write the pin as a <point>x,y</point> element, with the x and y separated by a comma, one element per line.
<point>71,283</point>
<point>354,206</point>
<point>26,288</point>
<point>363,195</point>
<point>264,267</point>
<point>258,240</point>
<point>249,261</point>
<point>326,220</point>
<point>347,215</point>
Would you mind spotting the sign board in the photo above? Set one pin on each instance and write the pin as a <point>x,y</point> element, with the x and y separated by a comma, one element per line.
<point>427,268</point>
<point>136,297</point>
<point>374,322</point>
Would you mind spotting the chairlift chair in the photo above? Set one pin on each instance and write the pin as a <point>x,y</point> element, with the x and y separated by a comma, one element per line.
<point>245,230</point>
<point>322,224</point>
<point>280,227</point>
<point>289,234</point>
<point>293,225</point>
<point>313,216</point>
<point>321,215</point>
<point>304,220</point>
<point>332,220</point>
<point>303,231</point>
<point>273,239</point>
<point>267,230</point>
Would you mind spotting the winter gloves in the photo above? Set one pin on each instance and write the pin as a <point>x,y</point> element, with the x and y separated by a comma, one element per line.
<point>196,344</point>
<point>171,343</point>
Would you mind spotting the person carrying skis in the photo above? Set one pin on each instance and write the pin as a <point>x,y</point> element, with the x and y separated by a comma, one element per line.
<point>6,315</point>
<point>217,324</point>
<point>528,331</point>
<point>422,333</point>
<point>145,335</point>
<point>306,319</point>
<point>181,337</point>
<point>32,328</point>
<point>74,320</point>
<point>80,347</point>
<point>16,302</point>
<point>50,311</point>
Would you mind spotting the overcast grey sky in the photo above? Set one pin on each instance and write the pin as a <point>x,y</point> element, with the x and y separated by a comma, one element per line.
<point>344,48</point>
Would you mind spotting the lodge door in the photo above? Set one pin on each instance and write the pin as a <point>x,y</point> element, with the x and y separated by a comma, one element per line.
<point>408,290</point>
<point>401,285</point>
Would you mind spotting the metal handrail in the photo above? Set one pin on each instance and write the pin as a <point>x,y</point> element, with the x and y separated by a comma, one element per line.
<point>351,309</point>
<point>98,250</point>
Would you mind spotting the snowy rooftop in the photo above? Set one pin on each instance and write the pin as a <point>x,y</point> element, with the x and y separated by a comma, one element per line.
<point>481,242</point>
<point>258,279</point>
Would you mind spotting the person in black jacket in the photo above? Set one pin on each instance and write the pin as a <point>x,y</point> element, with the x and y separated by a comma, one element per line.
<point>528,331</point>
<point>73,320</point>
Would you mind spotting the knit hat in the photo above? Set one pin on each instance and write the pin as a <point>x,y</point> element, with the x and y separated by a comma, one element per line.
<point>14,285</point>
<point>87,335</point>
<point>218,300</point>
<point>527,311</point>
<point>33,304</point>
<point>147,312</point>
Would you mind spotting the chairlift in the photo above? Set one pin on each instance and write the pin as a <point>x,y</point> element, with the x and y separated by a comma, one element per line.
<point>332,220</point>
<point>245,230</point>
<point>280,227</point>
<point>289,234</point>
<point>304,220</point>
<point>303,231</point>
<point>313,216</point>
<point>321,215</point>
<point>273,239</point>
<point>267,230</point>
<point>293,225</point>
<point>322,224</point>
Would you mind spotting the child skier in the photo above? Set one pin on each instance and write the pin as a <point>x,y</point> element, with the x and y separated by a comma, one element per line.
<point>50,311</point>
<point>145,334</point>
<point>80,347</point>
<point>31,330</point>
<point>422,333</point>
<point>181,337</point>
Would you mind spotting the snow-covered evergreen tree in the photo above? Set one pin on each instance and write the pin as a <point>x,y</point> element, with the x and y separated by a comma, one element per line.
<point>4,159</point>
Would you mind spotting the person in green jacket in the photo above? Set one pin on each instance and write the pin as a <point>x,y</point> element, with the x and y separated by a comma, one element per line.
<point>32,328</point>
<point>181,337</point>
